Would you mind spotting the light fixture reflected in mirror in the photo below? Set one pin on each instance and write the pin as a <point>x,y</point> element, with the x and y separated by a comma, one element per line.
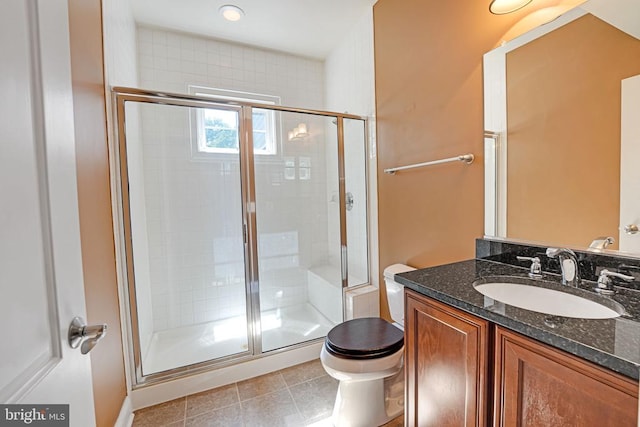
<point>540,17</point>
<point>501,7</point>
<point>298,132</point>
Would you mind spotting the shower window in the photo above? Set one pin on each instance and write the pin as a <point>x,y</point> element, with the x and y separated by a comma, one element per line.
<point>216,131</point>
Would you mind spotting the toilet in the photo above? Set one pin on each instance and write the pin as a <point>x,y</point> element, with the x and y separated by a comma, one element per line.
<point>366,356</point>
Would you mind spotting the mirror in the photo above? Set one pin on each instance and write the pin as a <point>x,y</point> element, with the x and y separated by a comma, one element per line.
<point>557,141</point>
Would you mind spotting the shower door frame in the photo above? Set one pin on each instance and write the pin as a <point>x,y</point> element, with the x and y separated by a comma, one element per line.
<point>120,96</point>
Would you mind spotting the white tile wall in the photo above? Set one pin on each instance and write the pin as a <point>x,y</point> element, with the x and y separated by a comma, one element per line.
<point>350,88</point>
<point>171,61</point>
<point>120,47</point>
<point>349,71</point>
<point>121,69</point>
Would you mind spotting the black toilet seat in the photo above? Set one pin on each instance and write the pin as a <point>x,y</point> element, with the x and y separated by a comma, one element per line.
<point>366,338</point>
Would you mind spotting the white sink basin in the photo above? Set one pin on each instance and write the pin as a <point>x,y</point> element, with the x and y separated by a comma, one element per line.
<point>548,301</point>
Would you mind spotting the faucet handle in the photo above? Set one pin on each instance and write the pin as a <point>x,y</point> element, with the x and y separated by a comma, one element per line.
<point>536,268</point>
<point>600,243</point>
<point>555,252</point>
<point>605,284</point>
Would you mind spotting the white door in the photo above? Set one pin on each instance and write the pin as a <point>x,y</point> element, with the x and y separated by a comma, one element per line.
<point>40,261</point>
<point>629,170</point>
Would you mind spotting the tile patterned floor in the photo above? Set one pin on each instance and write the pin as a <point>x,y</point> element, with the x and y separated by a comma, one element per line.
<point>299,396</point>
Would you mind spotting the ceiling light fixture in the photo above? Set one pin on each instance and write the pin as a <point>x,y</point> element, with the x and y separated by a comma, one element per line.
<point>231,12</point>
<point>501,7</point>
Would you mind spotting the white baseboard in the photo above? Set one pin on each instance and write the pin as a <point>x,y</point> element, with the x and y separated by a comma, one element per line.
<point>125,419</point>
<point>166,391</point>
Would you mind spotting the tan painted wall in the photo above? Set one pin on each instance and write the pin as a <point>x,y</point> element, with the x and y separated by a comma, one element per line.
<point>563,112</point>
<point>428,67</point>
<point>96,227</point>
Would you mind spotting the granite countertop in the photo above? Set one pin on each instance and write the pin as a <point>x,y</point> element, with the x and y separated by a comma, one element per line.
<point>610,343</point>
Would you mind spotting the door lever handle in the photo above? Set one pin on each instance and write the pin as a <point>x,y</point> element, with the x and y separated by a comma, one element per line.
<point>79,330</point>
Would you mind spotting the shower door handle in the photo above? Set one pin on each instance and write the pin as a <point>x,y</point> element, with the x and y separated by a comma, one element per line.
<point>349,200</point>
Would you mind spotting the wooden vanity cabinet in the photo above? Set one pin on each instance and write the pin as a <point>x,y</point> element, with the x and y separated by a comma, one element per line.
<point>446,365</point>
<point>537,385</point>
<point>461,370</point>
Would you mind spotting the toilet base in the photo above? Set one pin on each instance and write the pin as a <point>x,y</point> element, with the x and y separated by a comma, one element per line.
<point>369,403</point>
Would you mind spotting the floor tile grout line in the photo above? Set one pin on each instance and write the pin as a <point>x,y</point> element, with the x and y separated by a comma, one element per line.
<point>239,403</point>
<point>271,391</point>
<point>270,373</point>
<point>235,385</point>
<point>184,420</point>
<point>215,409</point>
<point>212,410</point>
<point>304,381</point>
<point>294,400</point>
<point>295,403</point>
<point>270,395</point>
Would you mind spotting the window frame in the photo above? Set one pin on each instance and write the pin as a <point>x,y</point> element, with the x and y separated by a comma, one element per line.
<point>199,149</point>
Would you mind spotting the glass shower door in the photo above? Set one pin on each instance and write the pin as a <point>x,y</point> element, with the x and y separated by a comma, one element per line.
<point>186,256</point>
<point>298,229</point>
<point>236,220</point>
<point>355,160</point>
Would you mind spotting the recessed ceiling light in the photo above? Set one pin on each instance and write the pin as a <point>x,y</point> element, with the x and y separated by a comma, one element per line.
<point>231,12</point>
<point>500,7</point>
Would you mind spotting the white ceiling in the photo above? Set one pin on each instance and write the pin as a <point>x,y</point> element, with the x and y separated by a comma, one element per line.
<point>309,28</point>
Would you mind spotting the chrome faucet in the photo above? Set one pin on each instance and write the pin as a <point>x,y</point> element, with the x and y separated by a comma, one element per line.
<point>568,264</point>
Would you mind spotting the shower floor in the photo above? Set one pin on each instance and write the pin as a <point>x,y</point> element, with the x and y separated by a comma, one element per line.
<point>174,348</point>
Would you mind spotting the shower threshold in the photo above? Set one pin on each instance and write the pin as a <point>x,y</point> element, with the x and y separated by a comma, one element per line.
<point>178,347</point>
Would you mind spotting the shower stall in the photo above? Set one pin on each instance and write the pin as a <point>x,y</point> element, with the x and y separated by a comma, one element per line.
<point>242,226</point>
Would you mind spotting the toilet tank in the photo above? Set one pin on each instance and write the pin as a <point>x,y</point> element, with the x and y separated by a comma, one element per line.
<point>395,291</point>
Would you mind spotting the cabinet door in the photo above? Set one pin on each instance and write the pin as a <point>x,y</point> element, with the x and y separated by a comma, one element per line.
<point>536,385</point>
<point>445,365</point>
